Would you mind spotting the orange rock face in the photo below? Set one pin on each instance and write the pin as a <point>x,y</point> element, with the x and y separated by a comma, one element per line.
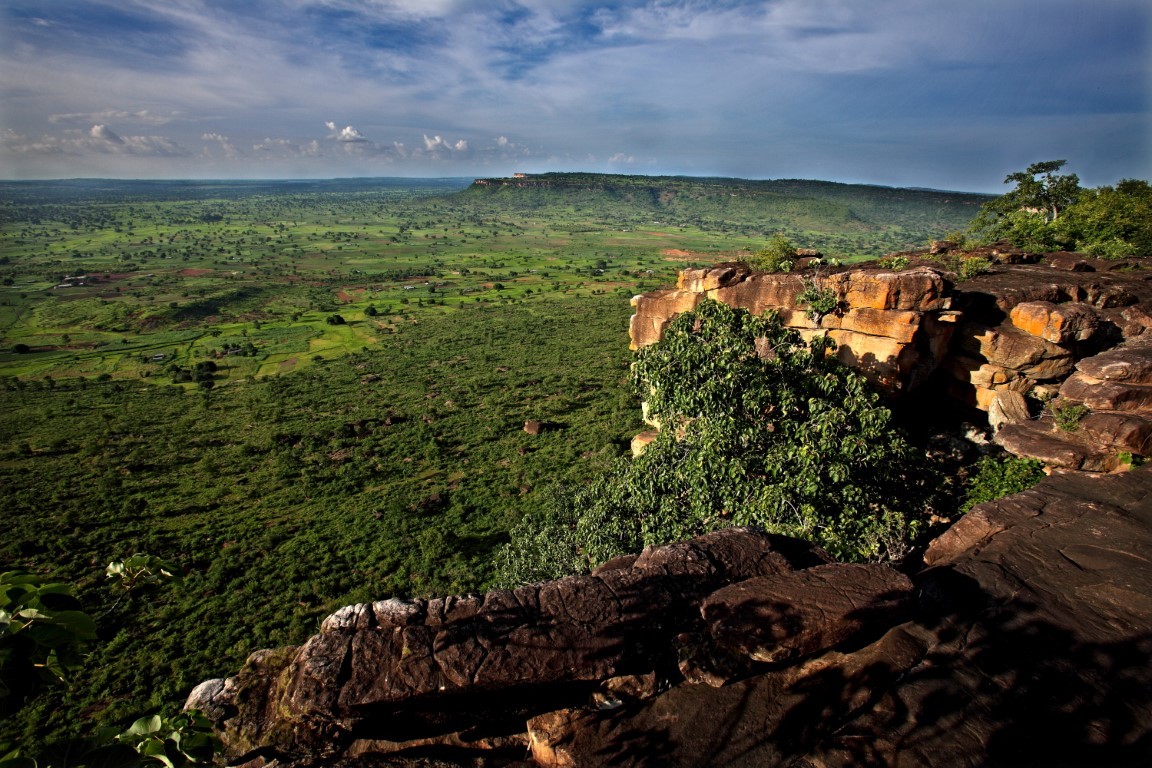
<point>882,326</point>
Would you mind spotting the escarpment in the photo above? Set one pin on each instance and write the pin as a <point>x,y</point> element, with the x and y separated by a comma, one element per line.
<point>1036,343</point>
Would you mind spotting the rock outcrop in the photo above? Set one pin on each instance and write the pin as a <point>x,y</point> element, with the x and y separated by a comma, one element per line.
<point>1025,638</point>
<point>1003,342</point>
<point>892,326</point>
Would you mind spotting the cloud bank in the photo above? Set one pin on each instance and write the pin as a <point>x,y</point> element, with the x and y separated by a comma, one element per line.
<point>890,92</point>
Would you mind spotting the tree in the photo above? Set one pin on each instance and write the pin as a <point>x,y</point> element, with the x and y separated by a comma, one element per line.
<point>1112,222</point>
<point>757,428</point>
<point>335,320</point>
<point>1025,215</point>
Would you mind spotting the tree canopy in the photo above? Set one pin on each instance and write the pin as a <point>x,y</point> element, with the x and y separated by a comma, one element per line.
<point>1047,211</point>
<point>758,428</point>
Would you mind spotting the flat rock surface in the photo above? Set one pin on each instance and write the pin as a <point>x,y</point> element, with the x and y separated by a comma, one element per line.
<point>1033,646</point>
<point>775,618</point>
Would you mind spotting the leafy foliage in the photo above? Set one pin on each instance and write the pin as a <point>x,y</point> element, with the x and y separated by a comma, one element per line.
<point>394,471</point>
<point>43,633</point>
<point>183,740</point>
<point>996,478</point>
<point>819,301</point>
<point>140,569</point>
<point>779,255</point>
<point>1048,210</point>
<point>1023,216</point>
<point>1111,222</point>
<point>759,429</point>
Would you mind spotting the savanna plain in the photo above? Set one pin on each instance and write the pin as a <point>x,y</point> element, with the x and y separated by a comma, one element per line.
<point>306,394</point>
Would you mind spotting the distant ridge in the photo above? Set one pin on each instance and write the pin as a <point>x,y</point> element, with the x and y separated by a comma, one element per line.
<point>859,218</point>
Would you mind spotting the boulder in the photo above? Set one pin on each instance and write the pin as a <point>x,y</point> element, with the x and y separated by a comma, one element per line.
<point>892,326</point>
<point>1010,348</point>
<point>1030,643</point>
<point>1107,395</point>
<point>1058,323</point>
<point>1130,363</point>
<point>1007,407</point>
<point>654,311</point>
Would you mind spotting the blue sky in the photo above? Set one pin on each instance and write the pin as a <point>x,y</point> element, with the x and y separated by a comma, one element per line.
<point>951,95</point>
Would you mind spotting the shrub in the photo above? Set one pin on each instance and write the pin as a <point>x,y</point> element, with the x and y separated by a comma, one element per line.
<point>1069,415</point>
<point>820,301</point>
<point>778,256</point>
<point>997,478</point>
<point>760,429</point>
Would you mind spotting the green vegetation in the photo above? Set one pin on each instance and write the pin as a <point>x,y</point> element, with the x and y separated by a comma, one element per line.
<point>758,429</point>
<point>1048,211</point>
<point>778,256</point>
<point>392,471</point>
<point>1068,415</point>
<point>43,635</point>
<point>306,394</point>
<point>996,478</point>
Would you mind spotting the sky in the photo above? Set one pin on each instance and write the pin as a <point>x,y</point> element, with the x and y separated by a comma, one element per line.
<point>948,94</point>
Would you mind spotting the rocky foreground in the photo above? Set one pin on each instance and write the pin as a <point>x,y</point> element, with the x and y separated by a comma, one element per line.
<point>1024,636</point>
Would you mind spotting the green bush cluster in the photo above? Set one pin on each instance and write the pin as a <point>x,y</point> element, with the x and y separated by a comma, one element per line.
<point>759,429</point>
<point>1049,211</point>
<point>998,477</point>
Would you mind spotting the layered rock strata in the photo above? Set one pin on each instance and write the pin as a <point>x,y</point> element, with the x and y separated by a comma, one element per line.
<point>892,326</point>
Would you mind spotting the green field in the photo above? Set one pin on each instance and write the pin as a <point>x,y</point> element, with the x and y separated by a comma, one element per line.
<point>307,394</point>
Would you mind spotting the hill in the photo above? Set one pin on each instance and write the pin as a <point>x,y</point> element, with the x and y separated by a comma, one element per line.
<point>837,218</point>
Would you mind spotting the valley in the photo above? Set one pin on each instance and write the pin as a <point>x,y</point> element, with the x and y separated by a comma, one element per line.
<point>310,394</point>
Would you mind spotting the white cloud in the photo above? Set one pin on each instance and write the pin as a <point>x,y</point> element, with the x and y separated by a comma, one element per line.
<point>104,133</point>
<point>226,145</point>
<point>346,134</point>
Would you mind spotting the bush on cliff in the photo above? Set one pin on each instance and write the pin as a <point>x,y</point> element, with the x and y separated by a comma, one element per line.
<point>758,428</point>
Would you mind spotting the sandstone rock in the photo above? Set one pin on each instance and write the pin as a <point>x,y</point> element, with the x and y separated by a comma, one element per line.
<point>709,279</point>
<point>641,441</point>
<point>761,292</point>
<point>1007,407</point>
<point>1072,262</point>
<point>1058,323</point>
<point>1120,431</point>
<point>547,733</point>
<point>530,648</point>
<point>921,289</point>
<point>1008,347</point>
<point>775,618</point>
<point>1055,448</point>
<point>1030,646</point>
<point>1102,395</point>
<point>654,311</point>
<point>1130,363</point>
